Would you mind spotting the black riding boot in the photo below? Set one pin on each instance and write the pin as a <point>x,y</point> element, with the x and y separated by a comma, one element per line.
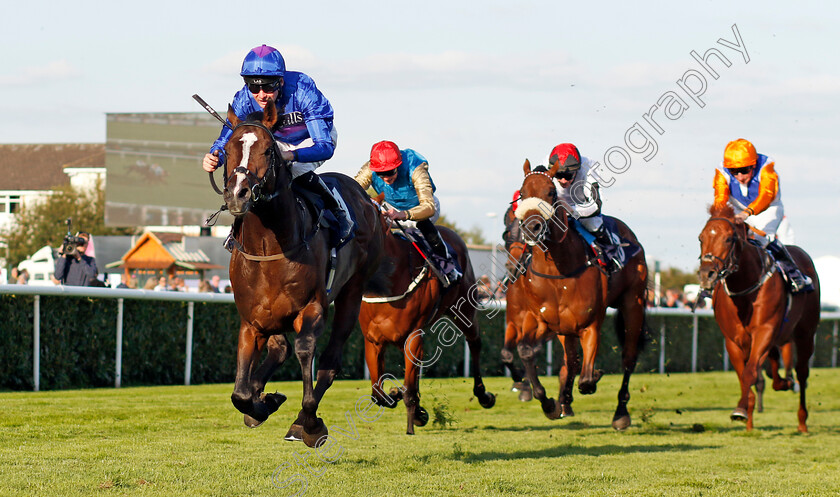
<point>607,251</point>
<point>313,183</point>
<point>799,282</point>
<point>430,233</point>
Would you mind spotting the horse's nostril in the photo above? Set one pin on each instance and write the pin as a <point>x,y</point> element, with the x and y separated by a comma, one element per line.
<point>243,193</point>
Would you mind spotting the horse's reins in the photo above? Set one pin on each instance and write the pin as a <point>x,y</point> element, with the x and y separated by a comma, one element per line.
<point>542,238</point>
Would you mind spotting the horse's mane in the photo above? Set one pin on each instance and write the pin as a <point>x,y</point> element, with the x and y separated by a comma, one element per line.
<point>722,210</point>
<point>540,169</point>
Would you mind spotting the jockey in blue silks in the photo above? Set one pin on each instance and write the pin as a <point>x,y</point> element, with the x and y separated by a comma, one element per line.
<point>305,134</point>
<point>403,176</point>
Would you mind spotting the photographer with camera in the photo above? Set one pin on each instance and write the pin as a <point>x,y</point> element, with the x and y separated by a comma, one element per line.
<point>73,267</point>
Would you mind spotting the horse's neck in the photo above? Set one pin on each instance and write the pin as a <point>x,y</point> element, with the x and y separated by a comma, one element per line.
<point>566,250</point>
<point>751,266</point>
<point>282,218</point>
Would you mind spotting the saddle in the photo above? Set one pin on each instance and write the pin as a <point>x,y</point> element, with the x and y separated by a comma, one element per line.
<point>311,201</point>
<point>620,250</point>
<point>443,266</point>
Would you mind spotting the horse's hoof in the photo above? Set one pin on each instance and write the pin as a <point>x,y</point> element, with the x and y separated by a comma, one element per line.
<point>273,401</point>
<point>252,422</point>
<point>311,438</point>
<point>489,400</point>
<point>738,414</point>
<point>295,433</point>
<point>421,417</point>
<point>525,395</point>
<point>566,411</point>
<point>519,386</point>
<point>395,393</point>
<point>551,408</point>
<point>621,423</point>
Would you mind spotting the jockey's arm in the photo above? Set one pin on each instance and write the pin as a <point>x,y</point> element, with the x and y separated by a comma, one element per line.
<point>721,186</point>
<point>768,188</point>
<point>323,147</point>
<point>589,207</point>
<point>365,176</point>
<point>423,186</point>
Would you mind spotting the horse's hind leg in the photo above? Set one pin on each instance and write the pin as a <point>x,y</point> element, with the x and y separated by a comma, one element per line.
<point>485,398</point>
<point>519,384</point>
<point>630,317</point>
<point>527,352</point>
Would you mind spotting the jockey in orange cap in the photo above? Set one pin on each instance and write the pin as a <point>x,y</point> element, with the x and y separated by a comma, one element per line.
<point>403,175</point>
<point>748,181</point>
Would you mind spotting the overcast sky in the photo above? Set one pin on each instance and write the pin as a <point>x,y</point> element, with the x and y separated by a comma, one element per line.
<point>477,87</point>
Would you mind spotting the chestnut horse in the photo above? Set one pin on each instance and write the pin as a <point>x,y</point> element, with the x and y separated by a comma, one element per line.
<point>278,272</point>
<point>563,293</point>
<point>753,309</point>
<point>420,302</point>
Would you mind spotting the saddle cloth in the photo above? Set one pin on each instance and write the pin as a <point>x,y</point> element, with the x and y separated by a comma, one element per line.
<point>445,266</point>
<point>315,204</point>
<point>622,250</point>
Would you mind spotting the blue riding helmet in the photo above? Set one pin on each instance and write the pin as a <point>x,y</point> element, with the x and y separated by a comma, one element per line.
<point>263,61</point>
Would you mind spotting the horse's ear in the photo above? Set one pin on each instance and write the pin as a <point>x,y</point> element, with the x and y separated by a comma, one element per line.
<point>554,168</point>
<point>270,114</point>
<point>526,168</point>
<point>231,116</point>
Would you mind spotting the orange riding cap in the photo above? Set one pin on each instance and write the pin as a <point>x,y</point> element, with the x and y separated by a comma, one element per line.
<point>739,153</point>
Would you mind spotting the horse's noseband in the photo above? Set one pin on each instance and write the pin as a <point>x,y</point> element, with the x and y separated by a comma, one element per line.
<point>259,186</point>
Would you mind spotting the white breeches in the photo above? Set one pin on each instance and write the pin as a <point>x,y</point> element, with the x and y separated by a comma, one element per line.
<point>299,168</point>
<point>768,222</point>
<point>592,224</point>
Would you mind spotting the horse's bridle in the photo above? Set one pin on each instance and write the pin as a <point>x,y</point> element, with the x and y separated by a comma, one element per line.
<point>256,184</point>
<point>730,263</point>
<point>553,197</point>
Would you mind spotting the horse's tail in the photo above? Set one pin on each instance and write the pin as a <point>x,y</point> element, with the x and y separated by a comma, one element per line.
<point>621,333</point>
<point>379,285</point>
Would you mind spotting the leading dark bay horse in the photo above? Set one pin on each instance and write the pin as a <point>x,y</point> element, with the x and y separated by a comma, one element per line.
<point>754,310</point>
<point>563,293</point>
<point>278,272</point>
<point>415,309</point>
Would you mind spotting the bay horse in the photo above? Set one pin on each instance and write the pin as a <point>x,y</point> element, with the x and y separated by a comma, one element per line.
<point>420,301</point>
<point>563,293</point>
<point>278,273</point>
<point>753,309</point>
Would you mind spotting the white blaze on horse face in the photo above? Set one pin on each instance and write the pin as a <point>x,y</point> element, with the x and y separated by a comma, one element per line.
<point>545,209</point>
<point>248,139</point>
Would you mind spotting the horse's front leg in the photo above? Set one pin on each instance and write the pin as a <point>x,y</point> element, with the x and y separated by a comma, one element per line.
<point>589,341</point>
<point>569,368</point>
<point>278,351</point>
<point>245,398</point>
<point>308,325</point>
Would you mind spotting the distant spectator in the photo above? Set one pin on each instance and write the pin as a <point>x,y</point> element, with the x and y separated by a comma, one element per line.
<point>74,267</point>
<point>161,286</point>
<point>228,289</point>
<point>151,283</point>
<point>131,282</point>
<point>23,277</point>
<point>214,283</point>
<point>204,286</point>
<point>672,298</point>
<point>13,276</point>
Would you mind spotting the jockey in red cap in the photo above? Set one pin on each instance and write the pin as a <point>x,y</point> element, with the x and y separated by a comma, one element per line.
<point>403,175</point>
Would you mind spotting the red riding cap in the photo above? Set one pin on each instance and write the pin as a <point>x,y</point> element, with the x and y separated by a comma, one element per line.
<point>385,156</point>
<point>567,156</point>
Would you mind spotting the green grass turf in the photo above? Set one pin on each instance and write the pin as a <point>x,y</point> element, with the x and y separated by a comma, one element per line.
<point>184,441</point>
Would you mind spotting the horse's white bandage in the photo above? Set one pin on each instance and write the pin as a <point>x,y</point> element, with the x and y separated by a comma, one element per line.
<point>545,209</point>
